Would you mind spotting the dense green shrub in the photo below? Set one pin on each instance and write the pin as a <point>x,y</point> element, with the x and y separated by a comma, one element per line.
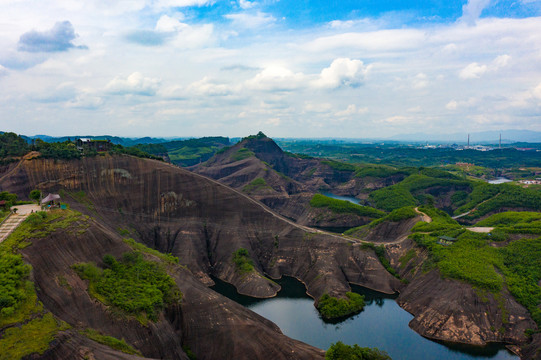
<point>12,144</point>
<point>255,185</point>
<point>379,171</point>
<point>392,198</point>
<point>242,261</point>
<point>440,220</point>
<point>110,341</point>
<point>339,166</point>
<point>344,206</point>
<point>332,308</point>
<point>341,351</point>
<point>242,154</point>
<point>132,284</point>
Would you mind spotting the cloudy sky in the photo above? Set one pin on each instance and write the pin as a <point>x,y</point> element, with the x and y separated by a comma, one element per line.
<point>291,68</point>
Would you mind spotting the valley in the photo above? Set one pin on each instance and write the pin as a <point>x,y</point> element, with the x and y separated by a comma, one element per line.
<point>253,213</point>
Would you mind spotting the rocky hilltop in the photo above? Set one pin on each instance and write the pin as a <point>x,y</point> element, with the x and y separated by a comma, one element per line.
<point>201,222</point>
<point>205,223</point>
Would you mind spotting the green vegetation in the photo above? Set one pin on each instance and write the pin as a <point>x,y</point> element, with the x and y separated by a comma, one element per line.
<point>440,221</point>
<point>168,258</point>
<point>486,198</point>
<point>256,185</point>
<point>57,150</point>
<point>396,154</point>
<point>472,259</point>
<point>344,206</point>
<point>524,222</point>
<point>332,308</point>
<point>522,270</point>
<point>392,198</point>
<point>405,259</point>
<point>18,299</point>
<point>259,135</point>
<point>33,337</point>
<point>242,154</point>
<point>134,285</point>
<point>380,253</point>
<point>379,171</point>
<point>339,166</point>
<point>341,351</point>
<point>400,214</point>
<point>35,195</point>
<point>9,198</point>
<point>110,341</point>
<point>12,144</point>
<point>242,261</point>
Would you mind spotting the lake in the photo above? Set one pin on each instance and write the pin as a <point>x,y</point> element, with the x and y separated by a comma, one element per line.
<point>499,180</point>
<point>347,198</point>
<point>382,324</point>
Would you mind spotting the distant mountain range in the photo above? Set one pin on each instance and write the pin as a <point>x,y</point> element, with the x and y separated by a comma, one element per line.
<point>491,137</point>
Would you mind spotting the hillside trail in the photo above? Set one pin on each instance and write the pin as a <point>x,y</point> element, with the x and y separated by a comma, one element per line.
<point>292,223</point>
<point>28,156</point>
<point>15,219</point>
<point>475,208</point>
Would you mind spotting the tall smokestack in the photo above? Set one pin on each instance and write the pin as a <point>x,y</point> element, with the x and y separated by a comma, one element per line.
<point>500,140</point>
<point>468,140</point>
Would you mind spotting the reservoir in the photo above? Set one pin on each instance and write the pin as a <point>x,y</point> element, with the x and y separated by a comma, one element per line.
<point>382,324</point>
<point>351,199</point>
<point>499,180</point>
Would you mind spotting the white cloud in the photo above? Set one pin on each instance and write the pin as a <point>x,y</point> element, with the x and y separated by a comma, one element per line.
<point>472,10</point>
<point>86,101</point>
<point>245,4</point>
<point>317,107</point>
<point>181,3</point>
<point>343,72</point>
<point>3,71</point>
<point>420,81</point>
<point>250,21</point>
<point>205,87</point>
<point>135,84</point>
<point>276,78</point>
<point>351,110</point>
<point>381,40</point>
<point>454,105</point>
<point>473,71</point>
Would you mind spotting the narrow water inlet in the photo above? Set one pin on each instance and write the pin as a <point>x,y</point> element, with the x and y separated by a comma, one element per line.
<point>382,324</point>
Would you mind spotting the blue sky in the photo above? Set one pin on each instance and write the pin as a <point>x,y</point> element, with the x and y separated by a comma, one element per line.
<point>288,68</point>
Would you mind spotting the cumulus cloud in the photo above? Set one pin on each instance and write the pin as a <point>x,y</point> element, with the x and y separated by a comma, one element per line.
<point>473,71</point>
<point>59,38</point>
<point>420,81</point>
<point>454,105</point>
<point>3,71</point>
<point>472,10</point>
<point>276,78</point>
<point>351,110</point>
<point>343,72</point>
<point>208,88</point>
<point>171,30</point>
<point>182,3</point>
<point>86,101</point>
<point>381,40</point>
<point>250,21</point>
<point>476,70</point>
<point>135,84</point>
<point>245,4</point>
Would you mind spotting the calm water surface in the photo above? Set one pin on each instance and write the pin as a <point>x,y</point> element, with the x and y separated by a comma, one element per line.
<point>347,198</point>
<point>499,180</point>
<point>382,324</point>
